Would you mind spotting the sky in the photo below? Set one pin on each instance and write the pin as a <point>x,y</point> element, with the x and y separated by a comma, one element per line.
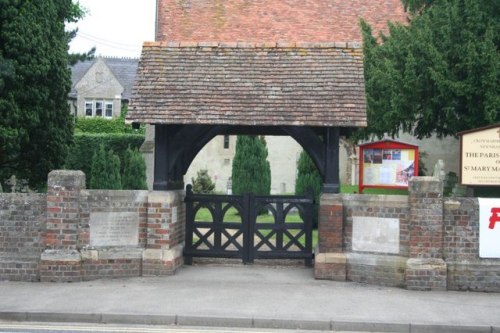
<point>117,28</point>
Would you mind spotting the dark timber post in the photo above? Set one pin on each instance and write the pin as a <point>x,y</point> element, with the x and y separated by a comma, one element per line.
<point>160,182</point>
<point>331,181</point>
<point>167,171</point>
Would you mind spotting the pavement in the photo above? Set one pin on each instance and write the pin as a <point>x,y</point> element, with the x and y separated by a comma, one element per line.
<point>252,296</point>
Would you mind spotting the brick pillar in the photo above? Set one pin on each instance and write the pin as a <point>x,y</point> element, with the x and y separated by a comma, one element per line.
<point>426,269</point>
<point>330,261</point>
<point>165,233</point>
<point>61,260</point>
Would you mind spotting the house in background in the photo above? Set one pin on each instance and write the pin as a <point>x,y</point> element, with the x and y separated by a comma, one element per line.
<point>101,86</point>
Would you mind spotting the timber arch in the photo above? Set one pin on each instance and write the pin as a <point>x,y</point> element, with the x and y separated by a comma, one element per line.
<point>177,146</point>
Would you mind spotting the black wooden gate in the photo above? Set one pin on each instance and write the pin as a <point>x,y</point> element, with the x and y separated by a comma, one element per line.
<point>248,227</point>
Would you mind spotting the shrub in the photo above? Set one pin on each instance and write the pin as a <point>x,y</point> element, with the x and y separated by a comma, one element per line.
<point>86,144</point>
<point>105,170</point>
<point>103,125</point>
<point>134,171</point>
<point>308,177</point>
<point>203,184</point>
<point>251,171</point>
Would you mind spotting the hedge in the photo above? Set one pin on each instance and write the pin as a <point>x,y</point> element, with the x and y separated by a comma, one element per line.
<point>85,144</point>
<point>102,125</point>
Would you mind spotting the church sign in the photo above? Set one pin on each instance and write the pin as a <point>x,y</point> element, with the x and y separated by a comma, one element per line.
<point>387,164</point>
<point>480,156</point>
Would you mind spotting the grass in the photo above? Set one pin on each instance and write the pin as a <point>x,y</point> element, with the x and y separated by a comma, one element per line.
<point>355,189</point>
<point>203,215</point>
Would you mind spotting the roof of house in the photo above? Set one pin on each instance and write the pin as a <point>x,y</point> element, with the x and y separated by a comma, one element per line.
<point>124,69</point>
<point>273,20</point>
<point>306,84</point>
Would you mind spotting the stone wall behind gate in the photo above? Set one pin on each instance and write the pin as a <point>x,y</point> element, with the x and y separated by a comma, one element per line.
<point>421,241</point>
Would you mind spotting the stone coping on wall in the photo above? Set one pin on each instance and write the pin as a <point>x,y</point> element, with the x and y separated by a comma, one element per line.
<point>381,200</point>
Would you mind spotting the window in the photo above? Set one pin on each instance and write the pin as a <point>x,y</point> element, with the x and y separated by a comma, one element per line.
<point>98,109</point>
<point>226,141</point>
<point>109,110</point>
<point>89,109</point>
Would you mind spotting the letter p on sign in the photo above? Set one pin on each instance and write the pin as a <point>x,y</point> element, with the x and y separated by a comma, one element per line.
<point>495,217</point>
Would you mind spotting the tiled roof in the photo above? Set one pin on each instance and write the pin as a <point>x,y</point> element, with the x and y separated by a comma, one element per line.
<point>273,20</point>
<point>124,70</point>
<point>307,84</point>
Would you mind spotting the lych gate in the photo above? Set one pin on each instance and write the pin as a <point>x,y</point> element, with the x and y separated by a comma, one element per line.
<point>193,92</point>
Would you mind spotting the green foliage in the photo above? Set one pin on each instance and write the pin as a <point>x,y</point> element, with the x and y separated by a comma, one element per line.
<point>203,184</point>
<point>105,170</point>
<point>134,171</point>
<point>438,75</point>
<point>251,171</point>
<point>103,125</point>
<point>35,124</point>
<point>416,6</point>
<point>85,145</point>
<point>308,178</point>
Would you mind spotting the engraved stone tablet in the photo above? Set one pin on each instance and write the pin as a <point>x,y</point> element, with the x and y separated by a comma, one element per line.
<point>374,234</point>
<point>114,229</point>
<point>174,215</point>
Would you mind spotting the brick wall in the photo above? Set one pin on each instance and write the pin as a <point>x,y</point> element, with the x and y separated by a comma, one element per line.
<point>438,241</point>
<point>376,267</point>
<point>48,237</point>
<point>22,216</point>
<point>119,261</point>
<point>379,206</point>
<point>438,238</point>
<point>165,229</point>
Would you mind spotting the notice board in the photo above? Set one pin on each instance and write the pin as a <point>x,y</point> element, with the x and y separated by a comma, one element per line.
<point>387,164</point>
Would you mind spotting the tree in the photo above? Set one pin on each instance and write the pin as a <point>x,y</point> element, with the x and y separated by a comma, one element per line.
<point>134,171</point>
<point>251,172</point>
<point>439,74</point>
<point>203,184</point>
<point>35,124</point>
<point>308,178</point>
<point>105,170</point>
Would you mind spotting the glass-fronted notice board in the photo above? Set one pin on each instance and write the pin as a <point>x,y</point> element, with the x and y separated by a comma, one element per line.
<point>387,164</point>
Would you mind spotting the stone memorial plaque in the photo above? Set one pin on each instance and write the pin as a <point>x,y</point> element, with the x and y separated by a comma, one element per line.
<point>174,215</point>
<point>114,229</point>
<point>375,234</point>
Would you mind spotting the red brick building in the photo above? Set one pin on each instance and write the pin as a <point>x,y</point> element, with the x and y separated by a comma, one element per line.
<point>260,21</point>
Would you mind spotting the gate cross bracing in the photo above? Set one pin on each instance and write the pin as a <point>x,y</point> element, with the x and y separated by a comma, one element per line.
<point>236,230</point>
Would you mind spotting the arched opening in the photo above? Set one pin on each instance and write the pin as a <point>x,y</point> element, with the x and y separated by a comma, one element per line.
<point>177,146</point>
